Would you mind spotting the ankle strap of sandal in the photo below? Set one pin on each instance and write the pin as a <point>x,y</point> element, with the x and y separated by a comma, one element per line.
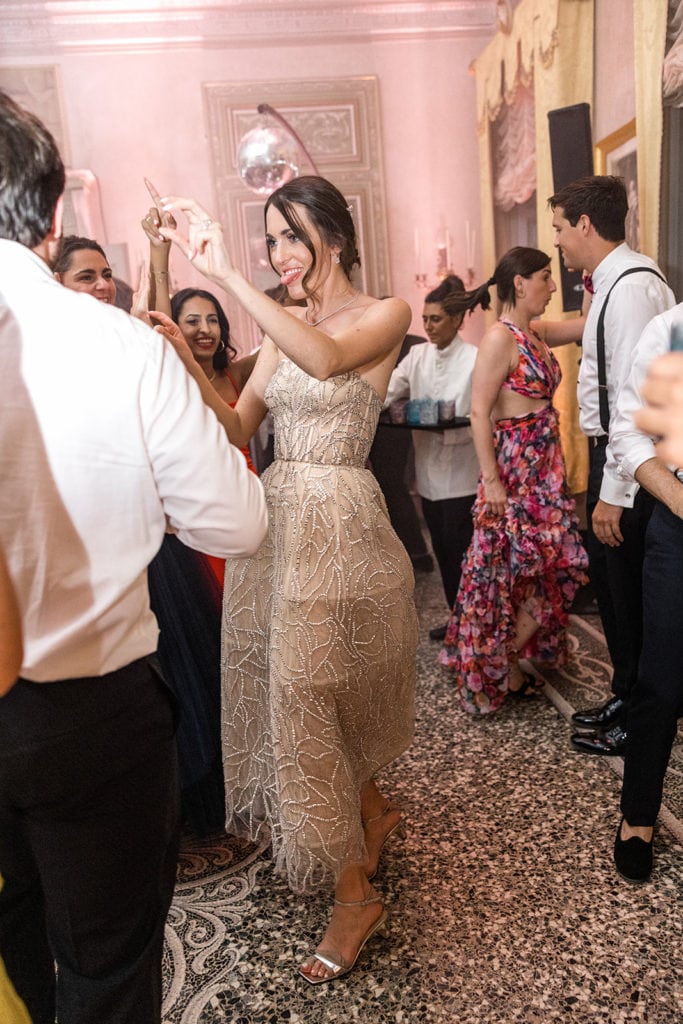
<point>389,806</point>
<point>374,898</point>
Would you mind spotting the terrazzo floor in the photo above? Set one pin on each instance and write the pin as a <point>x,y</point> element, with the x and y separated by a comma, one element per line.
<point>504,903</point>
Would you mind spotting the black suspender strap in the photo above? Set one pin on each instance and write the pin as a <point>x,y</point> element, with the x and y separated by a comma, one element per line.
<point>602,367</point>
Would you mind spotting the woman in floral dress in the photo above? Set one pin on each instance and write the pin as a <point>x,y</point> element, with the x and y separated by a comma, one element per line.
<point>526,560</point>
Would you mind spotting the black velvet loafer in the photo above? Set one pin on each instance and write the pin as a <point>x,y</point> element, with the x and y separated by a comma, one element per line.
<point>438,633</point>
<point>633,857</point>
<point>600,718</point>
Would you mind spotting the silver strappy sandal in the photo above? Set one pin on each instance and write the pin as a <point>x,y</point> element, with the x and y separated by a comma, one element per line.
<point>399,829</point>
<point>334,961</point>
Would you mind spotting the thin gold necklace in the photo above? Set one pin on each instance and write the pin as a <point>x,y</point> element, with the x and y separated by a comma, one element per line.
<point>211,377</point>
<point>327,315</point>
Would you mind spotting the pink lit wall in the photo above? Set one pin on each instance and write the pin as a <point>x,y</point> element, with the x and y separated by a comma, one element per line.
<point>136,114</point>
<point>614,89</point>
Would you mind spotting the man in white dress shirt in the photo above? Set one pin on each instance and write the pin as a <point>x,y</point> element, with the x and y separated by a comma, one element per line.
<point>104,440</point>
<point>589,217</point>
<point>656,701</point>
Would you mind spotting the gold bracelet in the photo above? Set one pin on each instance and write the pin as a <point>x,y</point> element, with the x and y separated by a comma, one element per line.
<point>160,273</point>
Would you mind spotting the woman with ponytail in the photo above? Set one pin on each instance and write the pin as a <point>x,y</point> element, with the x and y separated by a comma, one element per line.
<point>526,560</point>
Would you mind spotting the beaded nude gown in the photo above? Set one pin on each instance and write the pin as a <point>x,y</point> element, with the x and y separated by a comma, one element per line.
<point>319,636</point>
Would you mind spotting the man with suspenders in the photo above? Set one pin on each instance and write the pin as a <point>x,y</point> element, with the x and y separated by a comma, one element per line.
<point>589,218</point>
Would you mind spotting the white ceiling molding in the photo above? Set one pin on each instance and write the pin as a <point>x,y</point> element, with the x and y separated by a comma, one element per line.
<point>52,27</point>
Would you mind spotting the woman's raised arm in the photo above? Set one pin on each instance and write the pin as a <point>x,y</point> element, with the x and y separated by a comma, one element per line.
<point>368,342</point>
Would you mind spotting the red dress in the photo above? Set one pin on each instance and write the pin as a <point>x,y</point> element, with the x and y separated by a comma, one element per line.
<point>218,564</point>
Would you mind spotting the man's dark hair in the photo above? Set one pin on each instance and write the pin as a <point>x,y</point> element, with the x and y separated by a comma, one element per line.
<point>31,175</point>
<point>602,198</point>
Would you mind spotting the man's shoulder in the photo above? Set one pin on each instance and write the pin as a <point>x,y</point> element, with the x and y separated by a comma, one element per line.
<point>657,333</point>
<point>636,285</point>
<point>627,268</point>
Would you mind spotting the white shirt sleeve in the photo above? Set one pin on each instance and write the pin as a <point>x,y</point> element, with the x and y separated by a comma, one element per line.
<point>212,500</point>
<point>628,447</point>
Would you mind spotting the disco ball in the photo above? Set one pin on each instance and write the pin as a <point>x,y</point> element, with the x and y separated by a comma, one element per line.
<point>267,157</point>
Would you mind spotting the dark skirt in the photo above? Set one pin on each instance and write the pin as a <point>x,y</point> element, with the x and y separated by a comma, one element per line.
<point>186,599</point>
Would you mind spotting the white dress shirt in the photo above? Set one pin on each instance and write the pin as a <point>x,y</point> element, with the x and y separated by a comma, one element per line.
<point>628,447</point>
<point>104,440</point>
<point>446,464</point>
<point>632,304</point>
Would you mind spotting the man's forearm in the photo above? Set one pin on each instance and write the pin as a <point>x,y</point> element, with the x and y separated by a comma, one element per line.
<point>657,478</point>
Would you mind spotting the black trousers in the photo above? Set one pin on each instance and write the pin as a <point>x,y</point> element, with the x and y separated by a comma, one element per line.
<point>616,576</point>
<point>656,702</point>
<point>389,458</point>
<point>88,844</point>
<point>450,527</point>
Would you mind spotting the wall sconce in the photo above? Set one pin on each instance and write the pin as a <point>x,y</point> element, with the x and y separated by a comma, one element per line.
<point>443,266</point>
<point>268,155</point>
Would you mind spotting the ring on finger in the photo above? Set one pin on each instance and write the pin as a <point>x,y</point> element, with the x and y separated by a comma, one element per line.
<point>206,224</point>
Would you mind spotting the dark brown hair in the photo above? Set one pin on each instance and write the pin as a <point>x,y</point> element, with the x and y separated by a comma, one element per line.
<point>71,244</point>
<point>31,175</point>
<point>448,295</point>
<point>602,198</point>
<point>327,210</point>
<point>521,259</point>
<point>222,356</point>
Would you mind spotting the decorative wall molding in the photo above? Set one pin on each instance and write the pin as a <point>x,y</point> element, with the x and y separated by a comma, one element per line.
<point>39,90</point>
<point>339,122</point>
<point>52,27</point>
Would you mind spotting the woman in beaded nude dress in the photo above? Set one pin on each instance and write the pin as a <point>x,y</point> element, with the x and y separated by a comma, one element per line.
<point>526,561</point>
<point>319,628</point>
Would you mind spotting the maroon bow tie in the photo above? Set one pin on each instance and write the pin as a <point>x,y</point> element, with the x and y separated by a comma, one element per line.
<point>588,284</point>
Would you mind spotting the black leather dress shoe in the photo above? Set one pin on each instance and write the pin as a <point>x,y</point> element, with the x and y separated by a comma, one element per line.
<point>600,718</point>
<point>610,743</point>
<point>633,857</point>
<point>438,633</point>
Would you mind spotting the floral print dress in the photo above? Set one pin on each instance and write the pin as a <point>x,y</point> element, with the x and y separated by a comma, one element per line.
<point>532,556</point>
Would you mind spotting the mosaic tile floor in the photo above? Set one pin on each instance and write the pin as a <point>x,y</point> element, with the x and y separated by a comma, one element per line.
<point>504,903</point>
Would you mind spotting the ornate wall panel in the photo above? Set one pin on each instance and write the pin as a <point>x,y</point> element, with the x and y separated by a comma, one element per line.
<point>339,121</point>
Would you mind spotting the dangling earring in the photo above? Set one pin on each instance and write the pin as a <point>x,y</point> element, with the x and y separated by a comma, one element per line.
<point>337,258</point>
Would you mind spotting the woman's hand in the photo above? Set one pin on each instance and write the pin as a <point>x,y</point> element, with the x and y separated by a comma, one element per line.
<point>495,497</point>
<point>152,221</point>
<point>172,333</point>
<point>140,302</point>
<point>203,245</point>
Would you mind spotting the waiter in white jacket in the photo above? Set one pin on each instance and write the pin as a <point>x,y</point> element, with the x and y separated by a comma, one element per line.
<point>446,466</point>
